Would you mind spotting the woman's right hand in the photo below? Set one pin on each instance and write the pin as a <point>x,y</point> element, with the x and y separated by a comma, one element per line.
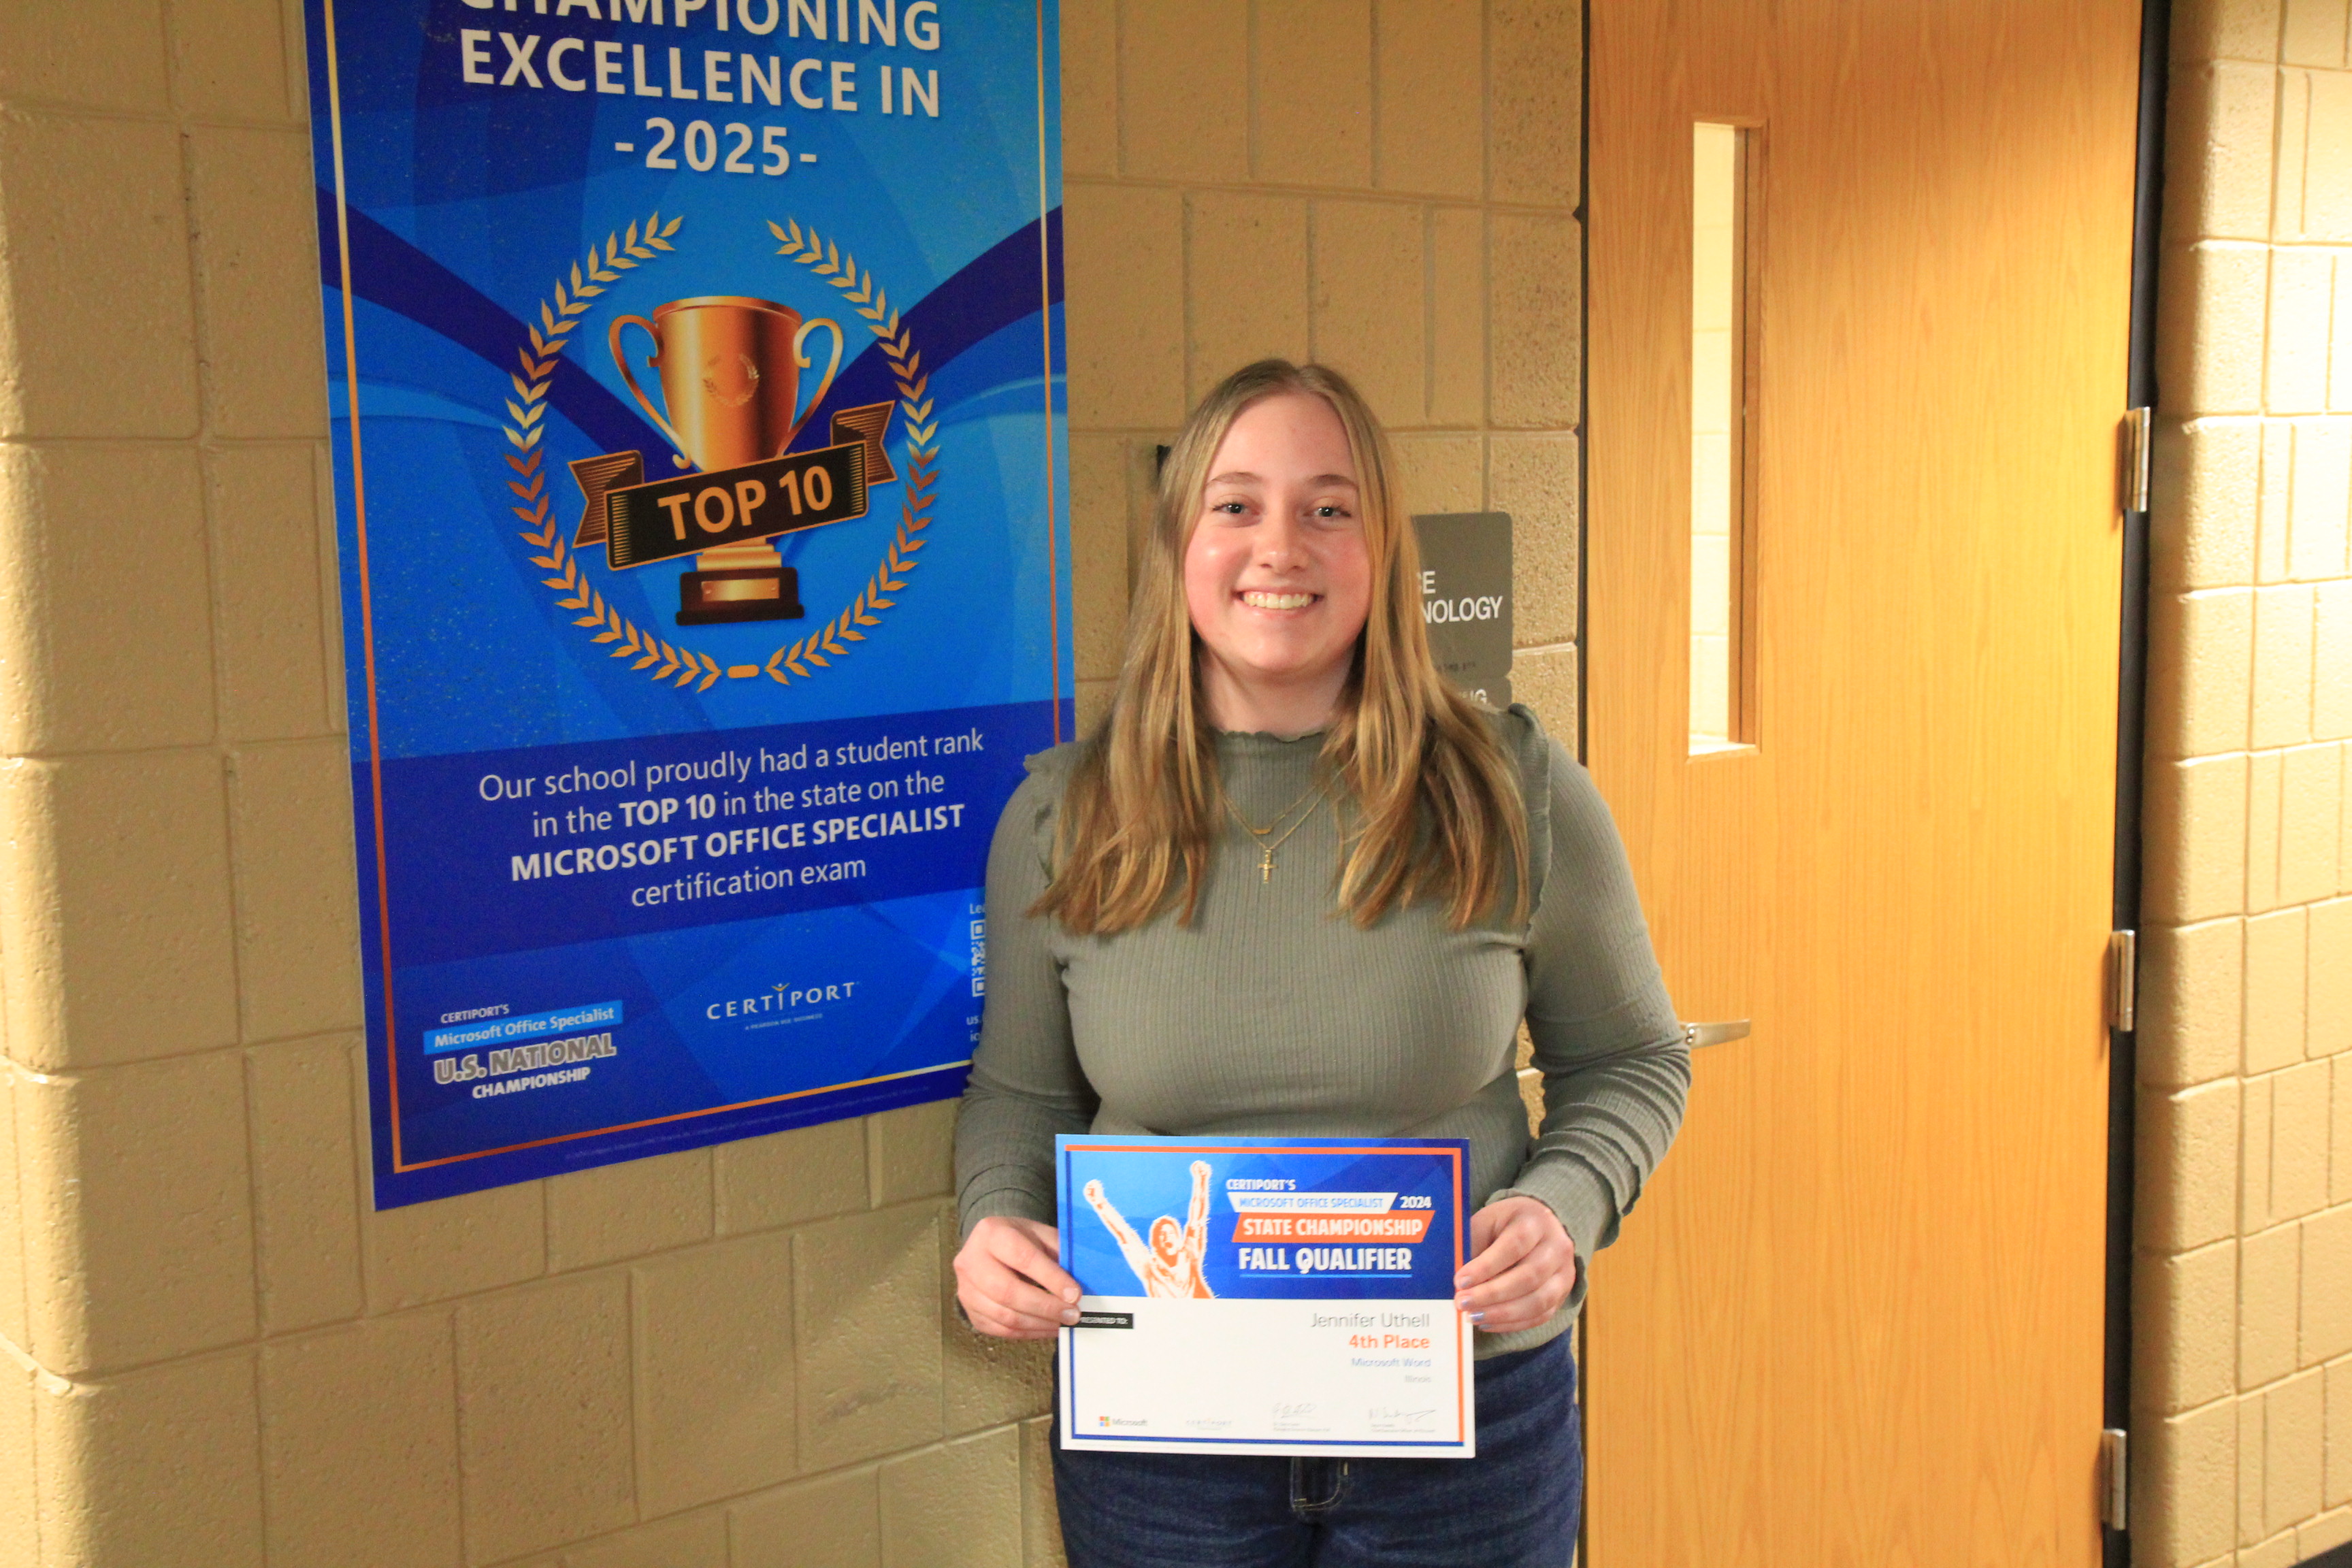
<point>1008,1280</point>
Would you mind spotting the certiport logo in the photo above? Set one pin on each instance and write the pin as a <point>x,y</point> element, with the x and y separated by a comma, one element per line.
<point>784,1001</point>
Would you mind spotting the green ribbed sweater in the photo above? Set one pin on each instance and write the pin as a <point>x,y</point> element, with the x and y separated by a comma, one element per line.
<point>1271,1014</point>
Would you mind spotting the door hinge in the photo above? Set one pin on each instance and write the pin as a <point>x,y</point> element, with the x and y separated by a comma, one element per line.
<point>2138,456</point>
<point>2114,1490</point>
<point>2123,980</point>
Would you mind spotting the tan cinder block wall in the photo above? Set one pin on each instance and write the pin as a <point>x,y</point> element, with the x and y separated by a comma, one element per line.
<point>213,1351</point>
<point>2242,1367</point>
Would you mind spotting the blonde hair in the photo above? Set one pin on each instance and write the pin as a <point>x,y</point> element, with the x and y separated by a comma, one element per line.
<point>1430,793</point>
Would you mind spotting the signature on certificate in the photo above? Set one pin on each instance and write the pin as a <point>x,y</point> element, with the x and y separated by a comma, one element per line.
<point>1384,1419</point>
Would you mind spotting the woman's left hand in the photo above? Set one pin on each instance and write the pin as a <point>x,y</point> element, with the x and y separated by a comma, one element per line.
<point>1522,1266</point>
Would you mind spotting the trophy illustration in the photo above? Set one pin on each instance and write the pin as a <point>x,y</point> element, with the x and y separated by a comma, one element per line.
<point>730,380</point>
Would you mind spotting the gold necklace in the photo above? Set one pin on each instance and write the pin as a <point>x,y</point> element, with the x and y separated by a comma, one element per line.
<point>1266,850</point>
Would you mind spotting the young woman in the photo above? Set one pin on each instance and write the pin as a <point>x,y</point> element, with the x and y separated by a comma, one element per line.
<point>1296,884</point>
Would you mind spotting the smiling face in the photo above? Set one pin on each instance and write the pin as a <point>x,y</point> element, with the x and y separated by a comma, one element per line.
<point>1277,577</point>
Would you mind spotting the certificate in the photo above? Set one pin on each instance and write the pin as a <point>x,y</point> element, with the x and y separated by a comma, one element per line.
<point>1265,1296</point>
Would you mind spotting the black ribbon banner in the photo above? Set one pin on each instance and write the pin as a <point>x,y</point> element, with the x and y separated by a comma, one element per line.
<point>639,523</point>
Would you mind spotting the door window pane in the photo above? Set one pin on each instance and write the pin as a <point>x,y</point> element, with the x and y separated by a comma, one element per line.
<point>1718,433</point>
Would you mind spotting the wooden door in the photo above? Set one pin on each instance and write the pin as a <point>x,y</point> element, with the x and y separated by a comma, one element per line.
<point>1857,1317</point>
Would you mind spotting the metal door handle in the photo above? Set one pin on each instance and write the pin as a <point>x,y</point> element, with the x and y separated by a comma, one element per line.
<point>1698,1035</point>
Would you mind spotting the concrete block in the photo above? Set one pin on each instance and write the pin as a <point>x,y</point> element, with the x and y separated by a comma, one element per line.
<point>2339,1137</point>
<point>1371,293</point>
<point>1536,283</point>
<point>141,1241</point>
<point>2196,844</point>
<point>2294,376</point>
<point>2252,1451</point>
<point>2338,1483</point>
<point>2323,1534</point>
<point>910,1152</point>
<point>2187,1165</point>
<point>2282,674</point>
<point>867,1297</point>
<point>2293,1454</point>
<point>1431,79</point>
<point>15,1328</point>
<point>83,200</point>
<point>2314,34</point>
<point>696,1541</point>
<point>1312,90</point>
<point>305,1183</point>
<point>229,61</point>
<point>2182,1497</point>
<point>2206,485</point>
<point>2191,999</point>
<point>2185,1328</point>
<point>2201,672</point>
<point>2326,1310</point>
<point>1535,101</point>
<point>2339,353</point>
<point>2300,1108</point>
<point>2311,818</point>
<point>2278,1551</point>
<point>1124,252</point>
<point>2269,1295</point>
<point>2277,946</point>
<point>2274,531</point>
<point>2210,334</point>
<point>613,1212</point>
<point>1094,704</point>
<point>2226,30</point>
<point>1246,283</point>
<point>159,1468</point>
<point>2254,1141</point>
<point>787,1177</point>
<point>834,1521</point>
<point>988,1382</point>
<point>297,913</point>
<point>1546,680</point>
<point>2328,979</point>
<point>955,1506</point>
<point>2331,700</point>
<point>2263,771</point>
<point>2219,182</point>
<point>2322,499</point>
<point>1171,127</point>
<point>1440,473</point>
<point>454,1247</point>
<point>269,623</point>
<point>1089,91</point>
<point>85,53</point>
<point>1098,558</point>
<point>1458,317</point>
<point>1041,1523</point>
<point>2324,194</point>
<point>543,1421</point>
<point>1534,477</point>
<point>256,282</point>
<point>714,1378</point>
<point>79,675</point>
<point>19,1489</point>
<point>114,866</point>
<point>358,1442</point>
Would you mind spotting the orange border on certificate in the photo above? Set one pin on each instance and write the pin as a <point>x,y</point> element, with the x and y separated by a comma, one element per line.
<point>1461,1220</point>
<point>367,616</point>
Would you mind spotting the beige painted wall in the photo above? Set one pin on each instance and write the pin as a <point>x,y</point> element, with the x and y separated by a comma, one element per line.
<point>212,1351</point>
<point>2243,1366</point>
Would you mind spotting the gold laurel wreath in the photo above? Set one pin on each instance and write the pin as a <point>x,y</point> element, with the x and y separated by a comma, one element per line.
<point>621,251</point>
<point>858,288</point>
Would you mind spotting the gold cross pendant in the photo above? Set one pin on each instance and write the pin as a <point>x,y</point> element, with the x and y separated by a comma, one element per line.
<point>1265,864</point>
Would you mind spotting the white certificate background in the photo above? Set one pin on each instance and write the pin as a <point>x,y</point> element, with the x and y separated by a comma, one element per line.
<point>1231,1376</point>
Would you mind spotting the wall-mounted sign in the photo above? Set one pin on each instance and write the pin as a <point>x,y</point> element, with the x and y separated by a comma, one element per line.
<point>696,382</point>
<point>1465,599</point>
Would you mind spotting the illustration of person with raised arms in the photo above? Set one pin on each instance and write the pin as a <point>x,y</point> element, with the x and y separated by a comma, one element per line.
<point>1170,1266</point>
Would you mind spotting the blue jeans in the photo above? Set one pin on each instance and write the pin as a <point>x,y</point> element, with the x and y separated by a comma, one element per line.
<point>1514,1506</point>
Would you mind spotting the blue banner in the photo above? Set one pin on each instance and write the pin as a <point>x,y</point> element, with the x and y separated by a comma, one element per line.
<point>696,373</point>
